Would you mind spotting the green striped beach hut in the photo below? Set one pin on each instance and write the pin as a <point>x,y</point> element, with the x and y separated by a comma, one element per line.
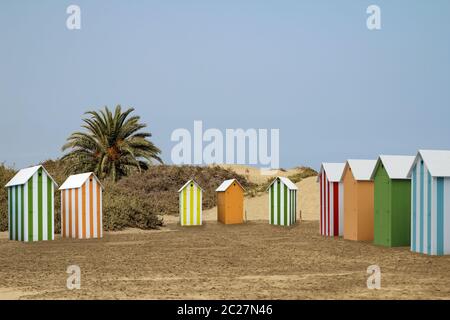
<point>282,202</point>
<point>190,204</point>
<point>31,205</point>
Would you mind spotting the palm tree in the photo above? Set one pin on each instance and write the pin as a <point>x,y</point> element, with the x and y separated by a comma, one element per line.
<point>112,147</point>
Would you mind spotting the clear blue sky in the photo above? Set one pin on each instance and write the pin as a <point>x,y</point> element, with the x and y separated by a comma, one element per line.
<point>310,68</point>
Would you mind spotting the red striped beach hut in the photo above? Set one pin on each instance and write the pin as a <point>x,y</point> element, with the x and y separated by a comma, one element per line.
<point>81,207</point>
<point>331,199</point>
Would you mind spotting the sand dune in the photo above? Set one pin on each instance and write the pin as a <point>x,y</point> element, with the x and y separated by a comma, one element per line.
<point>258,176</point>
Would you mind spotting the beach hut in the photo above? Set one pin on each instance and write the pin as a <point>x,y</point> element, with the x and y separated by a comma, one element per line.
<point>358,200</point>
<point>331,199</point>
<point>230,202</point>
<point>81,207</point>
<point>392,201</point>
<point>430,205</point>
<point>282,202</point>
<point>190,196</point>
<point>31,205</point>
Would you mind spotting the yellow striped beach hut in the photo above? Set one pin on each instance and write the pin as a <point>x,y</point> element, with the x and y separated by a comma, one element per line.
<point>190,204</point>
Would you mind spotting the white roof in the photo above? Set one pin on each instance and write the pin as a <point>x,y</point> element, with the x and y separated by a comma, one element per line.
<point>397,167</point>
<point>361,169</point>
<point>24,175</point>
<point>286,181</point>
<point>333,171</point>
<point>187,183</point>
<point>437,162</point>
<point>77,180</point>
<point>226,184</point>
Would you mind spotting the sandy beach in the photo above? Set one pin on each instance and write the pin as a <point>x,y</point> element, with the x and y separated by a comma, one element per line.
<point>250,261</point>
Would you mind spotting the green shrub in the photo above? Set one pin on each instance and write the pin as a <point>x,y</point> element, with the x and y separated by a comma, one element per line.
<point>124,209</point>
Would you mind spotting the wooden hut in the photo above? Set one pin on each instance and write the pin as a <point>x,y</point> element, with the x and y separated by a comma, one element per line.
<point>358,200</point>
<point>392,201</point>
<point>82,207</point>
<point>190,196</point>
<point>430,205</point>
<point>31,205</point>
<point>230,202</point>
<point>282,202</point>
<point>331,199</point>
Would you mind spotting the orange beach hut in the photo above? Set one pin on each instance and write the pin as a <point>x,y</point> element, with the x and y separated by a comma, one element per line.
<point>358,200</point>
<point>230,202</point>
<point>81,207</point>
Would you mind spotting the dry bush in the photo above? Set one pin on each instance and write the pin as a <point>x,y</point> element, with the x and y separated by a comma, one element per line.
<point>305,172</point>
<point>5,175</point>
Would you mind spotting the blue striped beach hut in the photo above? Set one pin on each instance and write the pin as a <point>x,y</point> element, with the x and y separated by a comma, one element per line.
<point>430,202</point>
